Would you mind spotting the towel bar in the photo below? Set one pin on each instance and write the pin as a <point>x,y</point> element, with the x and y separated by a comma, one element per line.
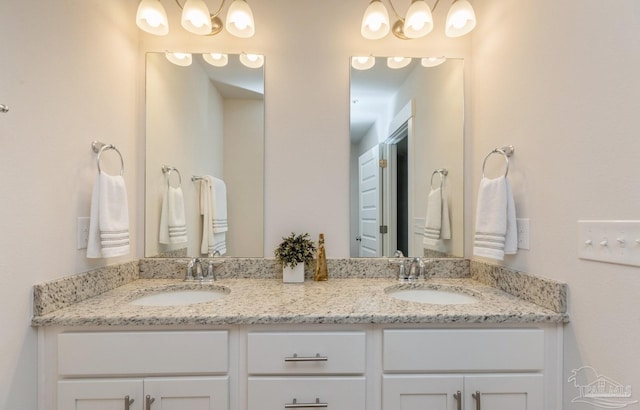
<point>99,147</point>
<point>443,172</point>
<point>168,170</point>
<point>506,152</point>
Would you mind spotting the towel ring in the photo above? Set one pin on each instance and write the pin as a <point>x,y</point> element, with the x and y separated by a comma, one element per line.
<point>506,152</point>
<point>442,172</point>
<point>99,147</point>
<point>168,170</point>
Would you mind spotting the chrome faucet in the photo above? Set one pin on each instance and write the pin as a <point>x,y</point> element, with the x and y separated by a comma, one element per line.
<point>196,271</point>
<point>416,269</point>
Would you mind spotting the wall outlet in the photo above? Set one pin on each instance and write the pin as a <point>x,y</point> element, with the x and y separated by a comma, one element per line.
<point>524,233</point>
<point>82,232</point>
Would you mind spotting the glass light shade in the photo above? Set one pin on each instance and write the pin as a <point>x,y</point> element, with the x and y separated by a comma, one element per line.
<point>375,22</point>
<point>240,20</point>
<point>419,21</point>
<point>216,59</point>
<point>432,61</point>
<point>152,18</point>
<point>461,19</point>
<point>181,59</point>
<point>398,62</point>
<point>252,60</point>
<point>363,62</point>
<point>196,18</point>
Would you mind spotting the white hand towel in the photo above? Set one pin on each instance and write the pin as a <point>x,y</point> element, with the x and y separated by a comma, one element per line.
<point>173,225</point>
<point>496,232</point>
<point>437,222</point>
<point>109,220</point>
<point>206,210</point>
<point>220,223</point>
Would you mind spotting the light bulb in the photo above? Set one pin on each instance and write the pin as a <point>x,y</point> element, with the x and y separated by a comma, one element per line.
<point>432,61</point>
<point>375,22</point>
<point>240,20</point>
<point>461,19</point>
<point>252,60</point>
<point>216,59</point>
<point>419,21</point>
<point>363,62</point>
<point>196,18</point>
<point>178,58</point>
<point>398,62</point>
<point>152,18</point>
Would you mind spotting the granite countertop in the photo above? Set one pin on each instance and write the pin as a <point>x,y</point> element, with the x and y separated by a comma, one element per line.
<point>269,301</point>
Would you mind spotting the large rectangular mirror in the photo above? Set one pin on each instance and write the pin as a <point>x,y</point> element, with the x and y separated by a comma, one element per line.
<point>407,135</point>
<point>204,120</point>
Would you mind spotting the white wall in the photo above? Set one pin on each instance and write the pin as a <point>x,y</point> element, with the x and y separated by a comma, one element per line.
<point>559,81</point>
<point>70,74</point>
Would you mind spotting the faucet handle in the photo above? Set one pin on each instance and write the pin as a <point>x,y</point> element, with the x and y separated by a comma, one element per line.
<point>210,275</point>
<point>190,265</point>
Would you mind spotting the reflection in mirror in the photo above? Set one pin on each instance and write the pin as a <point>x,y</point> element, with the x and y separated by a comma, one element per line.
<point>407,134</point>
<point>204,120</point>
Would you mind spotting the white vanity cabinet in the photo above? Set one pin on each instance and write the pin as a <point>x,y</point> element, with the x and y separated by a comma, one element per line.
<point>142,370</point>
<point>314,369</point>
<point>470,369</point>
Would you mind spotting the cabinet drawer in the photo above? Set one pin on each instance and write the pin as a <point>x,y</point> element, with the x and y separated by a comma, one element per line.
<point>277,393</point>
<point>148,353</point>
<point>306,353</point>
<point>463,350</point>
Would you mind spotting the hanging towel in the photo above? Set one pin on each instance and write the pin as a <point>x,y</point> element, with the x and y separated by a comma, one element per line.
<point>206,210</point>
<point>437,222</point>
<point>220,223</point>
<point>173,226</point>
<point>496,232</point>
<point>109,220</point>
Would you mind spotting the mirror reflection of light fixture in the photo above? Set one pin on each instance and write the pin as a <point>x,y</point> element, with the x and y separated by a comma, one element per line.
<point>196,18</point>
<point>181,59</point>
<point>418,22</point>
<point>432,61</point>
<point>252,60</point>
<point>240,19</point>
<point>216,59</point>
<point>363,62</point>
<point>398,62</point>
<point>152,18</point>
<point>461,19</point>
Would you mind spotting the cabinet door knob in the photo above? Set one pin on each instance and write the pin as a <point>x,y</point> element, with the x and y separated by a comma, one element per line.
<point>148,402</point>
<point>458,397</point>
<point>296,405</point>
<point>127,402</point>
<point>476,396</point>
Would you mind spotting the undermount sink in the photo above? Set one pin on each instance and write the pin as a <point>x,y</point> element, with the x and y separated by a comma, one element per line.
<point>180,297</point>
<point>434,296</point>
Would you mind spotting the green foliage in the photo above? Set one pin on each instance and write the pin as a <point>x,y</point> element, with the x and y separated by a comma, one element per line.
<point>295,249</point>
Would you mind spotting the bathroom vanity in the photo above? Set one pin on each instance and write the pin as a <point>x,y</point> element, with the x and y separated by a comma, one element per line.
<point>342,344</point>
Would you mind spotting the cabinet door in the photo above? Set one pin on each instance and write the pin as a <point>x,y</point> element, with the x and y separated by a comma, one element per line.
<point>335,393</point>
<point>192,393</point>
<point>100,394</point>
<point>420,392</point>
<point>504,392</point>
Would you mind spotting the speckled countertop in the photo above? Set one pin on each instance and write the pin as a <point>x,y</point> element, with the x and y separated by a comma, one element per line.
<point>269,301</point>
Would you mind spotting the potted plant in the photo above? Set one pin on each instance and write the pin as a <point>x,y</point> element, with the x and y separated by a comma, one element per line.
<point>293,252</point>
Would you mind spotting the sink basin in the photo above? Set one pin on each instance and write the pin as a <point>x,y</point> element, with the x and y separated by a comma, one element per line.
<point>444,296</point>
<point>180,297</point>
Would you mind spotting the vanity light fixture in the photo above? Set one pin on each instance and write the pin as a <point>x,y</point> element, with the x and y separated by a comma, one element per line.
<point>398,62</point>
<point>363,62</point>
<point>418,22</point>
<point>252,60</point>
<point>432,61</point>
<point>216,59</point>
<point>196,18</point>
<point>177,58</point>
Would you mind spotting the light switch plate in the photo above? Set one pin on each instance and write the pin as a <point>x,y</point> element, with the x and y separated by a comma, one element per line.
<point>82,232</point>
<point>610,241</point>
<point>524,233</point>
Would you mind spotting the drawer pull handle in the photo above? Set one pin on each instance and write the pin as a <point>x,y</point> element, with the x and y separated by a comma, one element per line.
<point>316,358</point>
<point>127,402</point>
<point>149,401</point>
<point>476,396</point>
<point>458,397</point>
<point>296,405</point>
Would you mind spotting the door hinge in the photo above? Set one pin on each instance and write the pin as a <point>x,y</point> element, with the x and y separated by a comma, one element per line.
<point>384,229</point>
<point>383,163</point>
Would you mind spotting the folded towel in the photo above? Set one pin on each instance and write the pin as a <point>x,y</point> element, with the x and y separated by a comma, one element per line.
<point>496,232</point>
<point>206,210</point>
<point>220,223</point>
<point>437,222</point>
<point>109,219</point>
<point>173,225</point>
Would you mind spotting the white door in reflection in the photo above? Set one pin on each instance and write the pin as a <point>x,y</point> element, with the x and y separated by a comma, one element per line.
<point>370,243</point>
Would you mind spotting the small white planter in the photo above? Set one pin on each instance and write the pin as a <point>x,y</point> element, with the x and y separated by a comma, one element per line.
<point>293,275</point>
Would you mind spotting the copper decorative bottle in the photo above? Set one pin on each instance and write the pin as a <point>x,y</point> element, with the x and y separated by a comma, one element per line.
<point>321,264</point>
